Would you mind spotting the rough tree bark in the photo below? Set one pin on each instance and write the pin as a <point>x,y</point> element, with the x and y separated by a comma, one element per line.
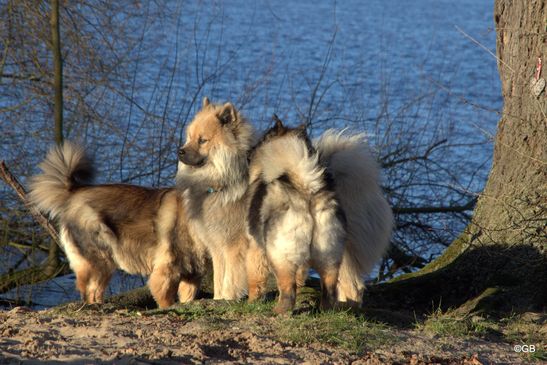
<point>500,262</point>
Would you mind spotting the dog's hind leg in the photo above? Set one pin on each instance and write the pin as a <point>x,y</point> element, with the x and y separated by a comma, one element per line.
<point>329,279</point>
<point>163,284</point>
<point>301,276</point>
<point>327,248</point>
<point>97,284</point>
<point>288,250</point>
<point>83,269</point>
<point>83,275</point>
<point>285,274</point>
<point>188,289</point>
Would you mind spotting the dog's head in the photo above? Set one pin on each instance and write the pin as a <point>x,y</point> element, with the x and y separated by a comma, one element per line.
<point>279,130</point>
<point>214,126</point>
<point>214,156</point>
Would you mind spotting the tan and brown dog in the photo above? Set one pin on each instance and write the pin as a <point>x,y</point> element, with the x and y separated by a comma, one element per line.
<point>213,177</point>
<point>104,227</point>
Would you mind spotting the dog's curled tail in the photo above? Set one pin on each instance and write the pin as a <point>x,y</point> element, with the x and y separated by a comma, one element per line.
<point>289,157</point>
<point>347,153</point>
<point>64,168</point>
<point>369,217</point>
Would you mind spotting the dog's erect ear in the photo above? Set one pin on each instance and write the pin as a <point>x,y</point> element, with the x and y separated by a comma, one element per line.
<point>301,130</point>
<point>278,123</point>
<point>302,126</point>
<point>205,102</point>
<point>228,114</point>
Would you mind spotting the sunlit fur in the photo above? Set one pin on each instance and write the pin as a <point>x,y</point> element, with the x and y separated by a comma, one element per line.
<point>294,217</point>
<point>368,214</point>
<point>214,193</point>
<point>105,227</point>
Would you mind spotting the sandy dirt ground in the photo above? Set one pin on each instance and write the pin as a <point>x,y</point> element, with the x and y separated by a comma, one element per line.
<point>126,337</point>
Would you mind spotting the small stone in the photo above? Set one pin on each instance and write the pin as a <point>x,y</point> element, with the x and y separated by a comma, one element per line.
<point>477,319</point>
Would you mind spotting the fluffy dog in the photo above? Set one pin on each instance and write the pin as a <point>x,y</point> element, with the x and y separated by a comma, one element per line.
<point>104,227</point>
<point>369,219</point>
<point>213,179</point>
<point>293,214</point>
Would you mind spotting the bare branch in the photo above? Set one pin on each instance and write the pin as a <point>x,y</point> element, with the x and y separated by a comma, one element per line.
<point>21,77</point>
<point>414,158</point>
<point>470,205</point>
<point>12,181</point>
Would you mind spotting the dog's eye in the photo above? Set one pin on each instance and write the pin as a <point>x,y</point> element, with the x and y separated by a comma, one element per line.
<point>201,140</point>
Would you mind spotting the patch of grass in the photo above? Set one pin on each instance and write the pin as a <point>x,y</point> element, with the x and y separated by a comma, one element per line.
<point>343,329</point>
<point>190,310</point>
<point>539,355</point>
<point>217,315</point>
<point>523,329</point>
<point>528,328</point>
<point>450,325</point>
<point>79,309</point>
<point>246,308</point>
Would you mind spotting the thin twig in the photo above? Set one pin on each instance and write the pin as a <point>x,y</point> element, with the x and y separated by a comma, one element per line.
<point>483,47</point>
<point>426,154</point>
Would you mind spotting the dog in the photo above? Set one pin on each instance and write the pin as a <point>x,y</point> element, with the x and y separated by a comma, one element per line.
<point>369,218</point>
<point>293,214</point>
<point>213,179</point>
<point>353,174</point>
<point>116,226</point>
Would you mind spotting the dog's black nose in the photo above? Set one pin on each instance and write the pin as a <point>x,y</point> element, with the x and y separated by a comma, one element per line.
<point>181,151</point>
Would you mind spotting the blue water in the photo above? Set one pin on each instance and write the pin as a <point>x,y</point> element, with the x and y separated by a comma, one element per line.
<point>401,71</point>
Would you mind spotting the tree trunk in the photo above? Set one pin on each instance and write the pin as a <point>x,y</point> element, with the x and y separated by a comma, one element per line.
<point>53,262</point>
<point>500,262</point>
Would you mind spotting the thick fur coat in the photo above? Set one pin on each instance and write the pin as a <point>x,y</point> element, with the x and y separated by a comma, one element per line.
<point>293,214</point>
<point>369,219</point>
<point>104,227</point>
<point>213,179</point>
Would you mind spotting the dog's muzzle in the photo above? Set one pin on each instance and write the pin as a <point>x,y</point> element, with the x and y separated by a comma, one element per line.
<point>191,157</point>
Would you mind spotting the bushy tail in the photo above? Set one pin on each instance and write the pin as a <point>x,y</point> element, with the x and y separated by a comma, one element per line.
<point>64,168</point>
<point>347,155</point>
<point>368,214</point>
<point>289,157</point>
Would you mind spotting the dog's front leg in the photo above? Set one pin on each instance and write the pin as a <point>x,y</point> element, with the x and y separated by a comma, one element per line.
<point>234,281</point>
<point>219,271</point>
<point>257,271</point>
